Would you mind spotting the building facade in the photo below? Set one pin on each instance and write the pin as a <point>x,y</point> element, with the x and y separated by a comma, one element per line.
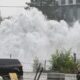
<point>68,10</point>
<point>71,9</point>
<point>68,2</point>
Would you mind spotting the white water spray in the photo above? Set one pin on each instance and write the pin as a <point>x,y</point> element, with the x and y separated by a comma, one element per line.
<point>30,34</point>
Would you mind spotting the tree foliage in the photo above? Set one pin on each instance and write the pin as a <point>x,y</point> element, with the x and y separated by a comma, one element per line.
<point>63,62</point>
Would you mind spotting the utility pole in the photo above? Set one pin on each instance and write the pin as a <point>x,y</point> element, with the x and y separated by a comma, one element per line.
<point>45,64</point>
<point>74,57</point>
<point>10,56</point>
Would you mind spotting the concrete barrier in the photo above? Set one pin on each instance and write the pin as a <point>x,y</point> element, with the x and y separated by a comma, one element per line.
<point>56,76</point>
<point>70,77</point>
<point>50,76</point>
<point>31,75</point>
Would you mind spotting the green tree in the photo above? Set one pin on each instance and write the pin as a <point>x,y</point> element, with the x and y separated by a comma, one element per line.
<point>63,62</point>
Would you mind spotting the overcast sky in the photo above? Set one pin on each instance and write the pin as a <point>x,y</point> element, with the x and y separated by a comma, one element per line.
<point>9,11</point>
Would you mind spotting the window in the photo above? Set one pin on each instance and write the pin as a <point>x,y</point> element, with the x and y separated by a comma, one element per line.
<point>70,1</point>
<point>32,0</point>
<point>78,1</point>
<point>62,1</point>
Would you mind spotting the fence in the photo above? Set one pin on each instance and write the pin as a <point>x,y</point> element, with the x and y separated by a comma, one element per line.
<point>28,66</point>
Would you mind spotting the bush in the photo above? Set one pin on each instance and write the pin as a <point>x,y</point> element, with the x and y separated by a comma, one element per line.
<point>63,62</point>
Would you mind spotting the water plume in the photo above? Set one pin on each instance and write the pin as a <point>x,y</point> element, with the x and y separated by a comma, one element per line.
<point>31,34</point>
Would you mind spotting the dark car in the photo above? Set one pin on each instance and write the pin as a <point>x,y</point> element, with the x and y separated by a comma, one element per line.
<point>10,66</point>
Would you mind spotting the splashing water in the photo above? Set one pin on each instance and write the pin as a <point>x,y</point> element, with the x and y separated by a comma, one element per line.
<point>30,34</point>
